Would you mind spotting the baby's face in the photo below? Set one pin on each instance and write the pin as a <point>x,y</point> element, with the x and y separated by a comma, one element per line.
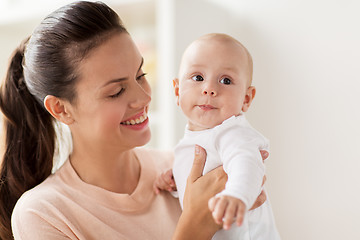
<point>213,82</point>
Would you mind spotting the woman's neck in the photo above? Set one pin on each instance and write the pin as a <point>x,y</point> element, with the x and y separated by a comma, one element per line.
<point>118,173</point>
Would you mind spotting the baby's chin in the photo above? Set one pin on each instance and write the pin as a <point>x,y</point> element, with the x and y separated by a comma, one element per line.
<point>200,126</point>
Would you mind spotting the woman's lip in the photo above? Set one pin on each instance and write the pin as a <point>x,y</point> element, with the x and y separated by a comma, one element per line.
<point>135,116</point>
<point>138,126</point>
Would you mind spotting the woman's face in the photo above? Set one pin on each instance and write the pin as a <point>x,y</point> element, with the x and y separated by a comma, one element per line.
<point>113,97</point>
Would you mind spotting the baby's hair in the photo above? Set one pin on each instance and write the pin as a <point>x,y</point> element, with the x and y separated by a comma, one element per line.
<point>229,39</point>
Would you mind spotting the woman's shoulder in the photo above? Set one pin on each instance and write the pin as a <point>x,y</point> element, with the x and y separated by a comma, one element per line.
<point>35,207</point>
<point>35,198</point>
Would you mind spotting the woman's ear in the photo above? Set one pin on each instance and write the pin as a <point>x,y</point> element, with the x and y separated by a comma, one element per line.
<point>249,96</point>
<point>176,89</point>
<point>58,108</point>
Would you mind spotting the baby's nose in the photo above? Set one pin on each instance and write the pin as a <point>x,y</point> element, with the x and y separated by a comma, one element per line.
<point>209,92</point>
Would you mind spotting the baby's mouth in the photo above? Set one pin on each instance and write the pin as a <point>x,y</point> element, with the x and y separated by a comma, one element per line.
<point>206,107</point>
<point>135,121</point>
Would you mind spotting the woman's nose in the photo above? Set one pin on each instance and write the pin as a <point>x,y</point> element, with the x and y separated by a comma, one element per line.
<point>142,98</point>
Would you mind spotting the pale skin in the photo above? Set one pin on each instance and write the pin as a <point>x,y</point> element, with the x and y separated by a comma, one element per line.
<point>111,91</point>
<point>214,84</point>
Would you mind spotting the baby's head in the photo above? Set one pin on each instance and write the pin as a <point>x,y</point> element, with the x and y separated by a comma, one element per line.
<point>214,81</point>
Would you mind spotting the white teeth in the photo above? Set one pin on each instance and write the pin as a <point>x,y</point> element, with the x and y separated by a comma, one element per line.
<point>136,121</point>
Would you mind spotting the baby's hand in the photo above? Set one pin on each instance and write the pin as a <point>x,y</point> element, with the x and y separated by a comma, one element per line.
<point>225,210</point>
<point>165,182</point>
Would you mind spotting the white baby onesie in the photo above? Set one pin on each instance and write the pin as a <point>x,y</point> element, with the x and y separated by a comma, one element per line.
<point>235,145</point>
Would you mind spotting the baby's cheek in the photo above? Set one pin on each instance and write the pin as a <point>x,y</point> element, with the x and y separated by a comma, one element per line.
<point>187,97</point>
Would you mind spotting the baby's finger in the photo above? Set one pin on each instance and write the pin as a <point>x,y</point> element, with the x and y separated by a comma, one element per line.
<point>240,214</point>
<point>165,185</point>
<point>168,178</point>
<point>161,184</point>
<point>155,187</point>
<point>212,203</point>
<point>230,213</point>
<point>219,210</point>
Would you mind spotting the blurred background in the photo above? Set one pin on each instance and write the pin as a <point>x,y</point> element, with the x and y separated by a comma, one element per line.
<point>307,74</point>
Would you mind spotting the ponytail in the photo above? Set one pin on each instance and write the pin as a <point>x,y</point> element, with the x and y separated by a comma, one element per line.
<point>29,141</point>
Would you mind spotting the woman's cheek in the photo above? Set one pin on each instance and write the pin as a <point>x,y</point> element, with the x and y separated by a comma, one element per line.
<point>113,116</point>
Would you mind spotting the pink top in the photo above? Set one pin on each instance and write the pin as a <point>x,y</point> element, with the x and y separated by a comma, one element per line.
<point>65,207</point>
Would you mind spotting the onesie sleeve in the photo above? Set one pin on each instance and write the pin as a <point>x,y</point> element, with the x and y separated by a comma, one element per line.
<point>239,149</point>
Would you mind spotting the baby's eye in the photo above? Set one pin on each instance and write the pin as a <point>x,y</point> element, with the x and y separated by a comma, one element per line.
<point>225,81</point>
<point>197,78</point>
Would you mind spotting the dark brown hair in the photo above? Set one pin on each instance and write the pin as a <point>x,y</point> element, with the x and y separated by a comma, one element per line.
<point>44,64</point>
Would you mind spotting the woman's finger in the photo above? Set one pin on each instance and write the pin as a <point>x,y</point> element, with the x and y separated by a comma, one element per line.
<point>264,154</point>
<point>259,201</point>
<point>198,164</point>
<point>264,180</point>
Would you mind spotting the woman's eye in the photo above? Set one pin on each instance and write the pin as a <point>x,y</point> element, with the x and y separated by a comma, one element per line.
<point>197,78</point>
<point>118,93</point>
<point>141,76</point>
<point>225,81</point>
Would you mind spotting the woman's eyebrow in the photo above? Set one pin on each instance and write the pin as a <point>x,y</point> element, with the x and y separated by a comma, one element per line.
<point>117,80</point>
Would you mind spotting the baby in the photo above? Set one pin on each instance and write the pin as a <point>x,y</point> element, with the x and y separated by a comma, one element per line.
<point>213,91</point>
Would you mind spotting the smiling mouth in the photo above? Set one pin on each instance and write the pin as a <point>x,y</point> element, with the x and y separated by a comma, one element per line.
<point>135,121</point>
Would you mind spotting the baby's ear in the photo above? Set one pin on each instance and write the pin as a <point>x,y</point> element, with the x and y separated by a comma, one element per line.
<point>249,96</point>
<point>176,89</point>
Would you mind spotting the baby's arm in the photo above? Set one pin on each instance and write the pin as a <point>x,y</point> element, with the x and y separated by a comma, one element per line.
<point>243,163</point>
<point>165,181</point>
<point>226,209</point>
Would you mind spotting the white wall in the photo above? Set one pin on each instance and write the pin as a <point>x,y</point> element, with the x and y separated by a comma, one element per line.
<point>306,59</point>
<point>306,56</point>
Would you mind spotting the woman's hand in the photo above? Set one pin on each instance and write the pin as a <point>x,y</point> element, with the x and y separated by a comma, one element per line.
<point>262,197</point>
<point>196,221</point>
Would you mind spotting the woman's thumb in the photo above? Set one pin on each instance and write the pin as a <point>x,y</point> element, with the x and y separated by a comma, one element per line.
<point>198,164</point>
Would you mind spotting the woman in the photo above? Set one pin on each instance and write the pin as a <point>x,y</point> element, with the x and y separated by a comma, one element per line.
<point>81,67</point>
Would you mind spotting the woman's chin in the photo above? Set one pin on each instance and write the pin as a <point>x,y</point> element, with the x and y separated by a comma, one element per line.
<point>145,138</point>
